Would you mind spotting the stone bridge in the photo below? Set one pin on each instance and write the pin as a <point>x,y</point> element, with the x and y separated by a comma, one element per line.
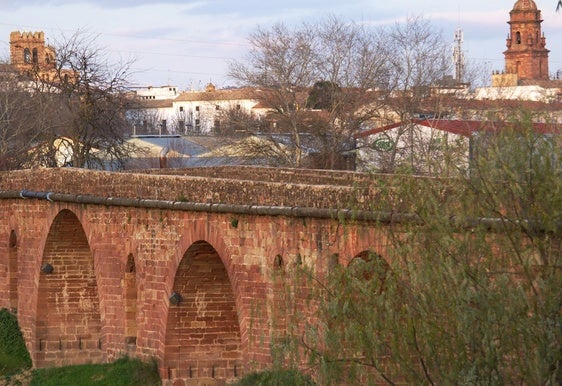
<point>176,265</point>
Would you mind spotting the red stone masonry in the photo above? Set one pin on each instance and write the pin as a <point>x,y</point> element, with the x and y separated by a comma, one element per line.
<point>228,186</point>
<point>526,54</point>
<point>93,281</point>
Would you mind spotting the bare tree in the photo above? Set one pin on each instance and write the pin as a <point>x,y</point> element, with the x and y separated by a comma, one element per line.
<point>146,121</point>
<point>183,122</point>
<point>90,95</point>
<point>418,85</point>
<point>24,121</point>
<point>235,120</point>
<point>281,61</point>
<point>331,79</point>
<point>288,62</point>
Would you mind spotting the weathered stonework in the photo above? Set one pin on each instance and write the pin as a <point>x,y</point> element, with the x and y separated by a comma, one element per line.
<point>526,53</point>
<point>115,269</point>
<point>30,54</point>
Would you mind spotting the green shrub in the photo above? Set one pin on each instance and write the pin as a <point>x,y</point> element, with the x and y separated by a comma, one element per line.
<point>275,378</point>
<point>13,354</point>
<point>123,372</point>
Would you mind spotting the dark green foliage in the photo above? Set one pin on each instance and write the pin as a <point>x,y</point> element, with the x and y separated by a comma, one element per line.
<point>13,354</point>
<point>123,372</point>
<point>275,378</point>
<point>468,294</point>
<point>182,198</point>
<point>323,95</point>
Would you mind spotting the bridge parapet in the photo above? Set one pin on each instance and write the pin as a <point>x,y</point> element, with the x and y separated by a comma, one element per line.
<point>272,174</point>
<point>224,186</point>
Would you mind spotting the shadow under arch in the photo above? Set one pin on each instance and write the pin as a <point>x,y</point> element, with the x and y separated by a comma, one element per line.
<point>13,272</point>
<point>68,329</point>
<point>130,295</point>
<point>203,337</point>
<point>369,265</point>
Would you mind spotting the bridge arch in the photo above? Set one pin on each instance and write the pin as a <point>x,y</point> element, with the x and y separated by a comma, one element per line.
<point>367,255</point>
<point>203,338</point>
<point>68,327</point>
<point>371,266</point>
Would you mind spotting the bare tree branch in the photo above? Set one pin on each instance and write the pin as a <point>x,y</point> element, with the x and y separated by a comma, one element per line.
<point>90,95</point>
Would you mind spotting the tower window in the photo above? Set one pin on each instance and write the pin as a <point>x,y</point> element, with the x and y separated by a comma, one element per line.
<point>518,37</point>
<point>27,55</point>
<point>35,56</point>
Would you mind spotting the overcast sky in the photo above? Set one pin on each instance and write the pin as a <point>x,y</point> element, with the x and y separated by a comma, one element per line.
<point>189,43</point>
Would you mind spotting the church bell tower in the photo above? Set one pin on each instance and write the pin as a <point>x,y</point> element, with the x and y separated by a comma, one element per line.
<point>526,55</point>
<point>29,54</point>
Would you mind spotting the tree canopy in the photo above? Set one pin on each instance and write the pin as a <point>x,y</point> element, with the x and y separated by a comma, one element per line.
<point>69,113</point>
<point>468,294</point>
<point>329,78</point>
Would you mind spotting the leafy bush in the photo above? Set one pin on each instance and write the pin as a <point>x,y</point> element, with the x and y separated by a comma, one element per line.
<point>13,354</point>
<point>123,372</point>
<point>275,378</point>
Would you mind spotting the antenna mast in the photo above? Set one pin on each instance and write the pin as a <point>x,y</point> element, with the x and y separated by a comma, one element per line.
<point>458,55</point>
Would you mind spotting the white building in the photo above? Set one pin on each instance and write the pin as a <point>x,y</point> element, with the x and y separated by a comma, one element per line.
<point>534,93</point>
<point>193,112</point>
<point>157,93</point>
<point>427,147</point>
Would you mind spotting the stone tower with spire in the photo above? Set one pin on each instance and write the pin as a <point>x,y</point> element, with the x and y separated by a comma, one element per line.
<point>526,55</point>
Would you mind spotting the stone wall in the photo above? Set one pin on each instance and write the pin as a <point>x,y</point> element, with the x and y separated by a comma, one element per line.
<point>115,269</point>
<point>227,186</point>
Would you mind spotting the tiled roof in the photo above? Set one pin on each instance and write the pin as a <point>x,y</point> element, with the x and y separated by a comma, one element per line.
<point>496,104</point>
<point>220,95</point>
<point>156,104</point>
<point>462,127</point>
